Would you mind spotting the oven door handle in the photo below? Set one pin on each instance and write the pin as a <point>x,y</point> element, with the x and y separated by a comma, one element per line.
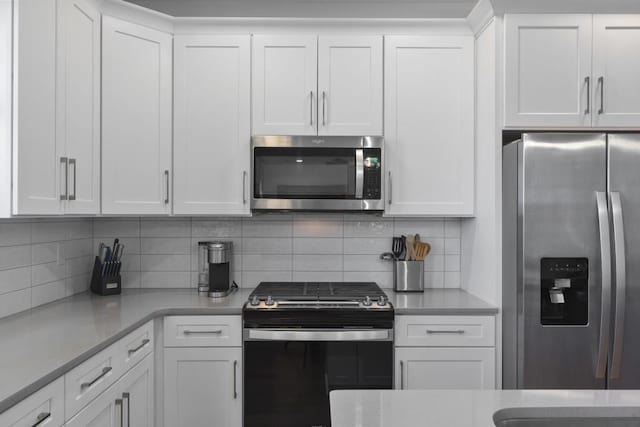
<point>318,335</point>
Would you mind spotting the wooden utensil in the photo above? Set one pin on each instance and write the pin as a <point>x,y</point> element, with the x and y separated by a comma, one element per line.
<point>410,247</point>
<point>421,250</point>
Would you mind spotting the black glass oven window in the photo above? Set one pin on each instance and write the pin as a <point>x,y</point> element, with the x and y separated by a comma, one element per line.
<point>287,383</point>
<point>304,173</point>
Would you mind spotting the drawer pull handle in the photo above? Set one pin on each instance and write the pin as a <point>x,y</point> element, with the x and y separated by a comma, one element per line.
<point>42,417</point>
<point>105,371</point>
<point>138,348</point>
<point>444,332</point>
<point>214,332</point>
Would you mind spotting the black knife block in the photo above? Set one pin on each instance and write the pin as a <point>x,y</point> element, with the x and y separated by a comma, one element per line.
<point>108,284</point>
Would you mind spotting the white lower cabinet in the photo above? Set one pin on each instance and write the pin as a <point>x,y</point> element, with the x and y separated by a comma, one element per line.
<point>444,368</point>
<point>43,408</point>
<point>128,403</point>
<point>203,387</point>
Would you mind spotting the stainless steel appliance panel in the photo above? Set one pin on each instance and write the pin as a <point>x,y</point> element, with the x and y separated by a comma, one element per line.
<point>624,186</point>
<point>562,176</point>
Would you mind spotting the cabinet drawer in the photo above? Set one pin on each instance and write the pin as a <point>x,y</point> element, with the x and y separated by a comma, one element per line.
<point>202,331</point>
<point>88,380</point>
<point>135,346</point>
<point>445,331</point>
<point>43,408</point>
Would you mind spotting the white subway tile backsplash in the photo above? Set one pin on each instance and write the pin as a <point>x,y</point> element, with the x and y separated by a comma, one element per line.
<point>165,245</point>
<point>15,279</point>
<point>317,263</point>
<point>15,233</point>
<point>317,245</point>
<point>48,292</point>
<point>15,302</point>
<point>15,256</point>
<point>43,260</point>
<point>266,245</point>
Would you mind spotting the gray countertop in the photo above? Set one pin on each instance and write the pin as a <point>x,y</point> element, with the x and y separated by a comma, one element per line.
<point>42,344</point>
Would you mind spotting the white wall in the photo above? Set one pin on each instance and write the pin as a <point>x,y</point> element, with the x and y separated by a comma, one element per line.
<point>481,235</point>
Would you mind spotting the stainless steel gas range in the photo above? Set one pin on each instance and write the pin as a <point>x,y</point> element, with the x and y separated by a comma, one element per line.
<point>303,340</point>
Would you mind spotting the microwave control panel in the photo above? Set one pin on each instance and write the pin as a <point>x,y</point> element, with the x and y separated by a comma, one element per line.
<point>372,187</point>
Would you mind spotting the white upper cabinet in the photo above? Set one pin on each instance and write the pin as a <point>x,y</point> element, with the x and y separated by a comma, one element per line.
<point>429,125</point>
<point>350,85</point>
<point>616,70</point>
<point>78,102</point>
<point>285,85</point>
<point>212,125</point>
<point>548,70</point>
<point>136,119</point>
<point>38,168</point>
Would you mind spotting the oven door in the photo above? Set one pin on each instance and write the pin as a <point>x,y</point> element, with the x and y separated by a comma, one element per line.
<point>288,374</point>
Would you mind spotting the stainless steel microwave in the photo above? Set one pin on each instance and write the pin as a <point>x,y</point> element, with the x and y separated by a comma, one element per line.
<point>317,173</point>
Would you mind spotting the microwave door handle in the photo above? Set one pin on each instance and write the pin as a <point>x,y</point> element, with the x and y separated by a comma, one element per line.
<point>359,173</point>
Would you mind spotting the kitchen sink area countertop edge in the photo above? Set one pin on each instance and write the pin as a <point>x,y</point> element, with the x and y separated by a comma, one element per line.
<point>59,336</point>
<point>466,408</point>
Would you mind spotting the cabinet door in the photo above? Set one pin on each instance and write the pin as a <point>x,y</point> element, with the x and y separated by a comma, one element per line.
<point>616,70</point>
<point>78,101</point>
<point>285,80</point>
<point>136,119</point>
<point>212,124</point>
<point>203,386</point>
<point>39,169</point>
<point>136,390</point>
<point>445,368</point>
<point>43,408</point>
<point>429,125</point>
<point>350,85</point>
<point>107,410</point>
<point>548,70</point>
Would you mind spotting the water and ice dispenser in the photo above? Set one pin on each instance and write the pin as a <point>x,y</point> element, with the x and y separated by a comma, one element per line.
<point>564,291</point>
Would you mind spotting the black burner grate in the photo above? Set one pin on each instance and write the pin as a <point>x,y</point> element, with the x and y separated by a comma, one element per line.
<point>304,291</point>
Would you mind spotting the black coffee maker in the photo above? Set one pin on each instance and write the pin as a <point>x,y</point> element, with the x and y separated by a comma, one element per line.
<point>214,268</point>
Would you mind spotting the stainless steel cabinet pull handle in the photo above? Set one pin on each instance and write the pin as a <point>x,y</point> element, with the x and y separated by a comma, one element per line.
<point>621,283</point>
<point>445,332</point>
<point>105,371</point>
<point>127,397</point>
<point>119,404</point>
<point>138,348</point>
<point>390,189</point>
<point>166,175</point>
<point>605,261</point>
<point>324,97</point>
<point>42,417</point>
<point>235,379</point>
<point>244,187</point>
<point>311,108</point>
<point>587,80</point>
<point>72,162</point>
<point>601,83</point>
<point>215,332</point>
<point>65,162</point>
<point>401,375</point>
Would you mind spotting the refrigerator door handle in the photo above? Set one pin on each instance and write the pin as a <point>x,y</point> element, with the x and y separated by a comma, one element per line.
<point>621,283</point>
<point>605,260</point>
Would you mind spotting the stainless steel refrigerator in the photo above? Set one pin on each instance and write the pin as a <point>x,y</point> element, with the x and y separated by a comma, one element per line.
<point>571,261</point>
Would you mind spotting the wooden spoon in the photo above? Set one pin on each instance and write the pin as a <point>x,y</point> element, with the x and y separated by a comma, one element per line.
<point>421,250</point>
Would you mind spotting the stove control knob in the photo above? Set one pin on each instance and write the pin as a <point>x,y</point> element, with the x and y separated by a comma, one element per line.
<point>269,301</point>
<point>255,300</point>
<point>382,300</point>
<point>367,301</point>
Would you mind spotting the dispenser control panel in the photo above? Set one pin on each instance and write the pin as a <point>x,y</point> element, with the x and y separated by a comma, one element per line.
<point>564,291</point>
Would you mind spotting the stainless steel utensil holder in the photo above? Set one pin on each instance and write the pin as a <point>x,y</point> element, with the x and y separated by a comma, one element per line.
<point>408,276</point>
